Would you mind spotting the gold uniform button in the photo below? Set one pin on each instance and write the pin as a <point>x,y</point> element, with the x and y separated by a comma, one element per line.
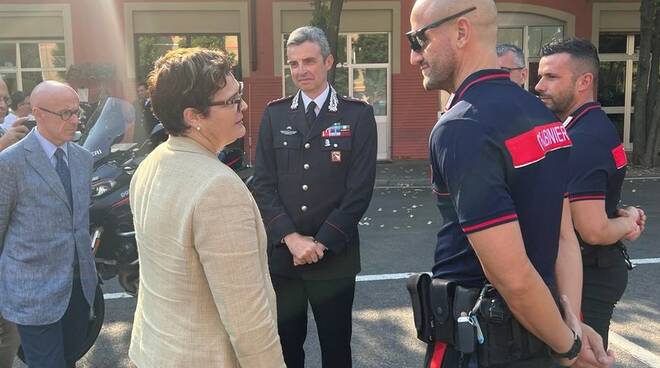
<point>306,166</point>
<point>285,144</point>
<point>303,208</point>
<point>307,145</point>
<point>305,187</point>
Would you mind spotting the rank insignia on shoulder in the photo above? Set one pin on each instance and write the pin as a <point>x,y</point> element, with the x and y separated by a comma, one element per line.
<point>335,156</point>
<point>289,131</point>
<point>337,130</point>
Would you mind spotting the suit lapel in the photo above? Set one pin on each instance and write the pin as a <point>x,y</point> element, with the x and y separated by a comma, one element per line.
<point>77,180</point>
<point>297,116</point>
<point>36,157</point>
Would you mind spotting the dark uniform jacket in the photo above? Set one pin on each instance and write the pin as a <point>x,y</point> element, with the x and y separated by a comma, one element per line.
<point>315,180</point>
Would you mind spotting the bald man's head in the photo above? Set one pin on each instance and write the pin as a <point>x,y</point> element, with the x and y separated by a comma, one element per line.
<point>55,107</point>
<point>484,17</point>
<point>453,38</point>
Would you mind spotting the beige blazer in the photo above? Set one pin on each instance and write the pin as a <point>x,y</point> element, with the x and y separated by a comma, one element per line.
<point>205,296</point>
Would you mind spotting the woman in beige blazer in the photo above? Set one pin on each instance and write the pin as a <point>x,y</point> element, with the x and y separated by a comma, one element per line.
<point>205,297</point>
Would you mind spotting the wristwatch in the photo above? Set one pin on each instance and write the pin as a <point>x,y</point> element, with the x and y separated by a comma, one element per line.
<point>573,352</point>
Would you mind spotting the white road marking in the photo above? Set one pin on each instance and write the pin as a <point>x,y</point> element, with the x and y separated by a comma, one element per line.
<point>635,350</point>
<point>644,178</point>
<point>645,261</point>
<point>110,296</point>
<point>387,276</point>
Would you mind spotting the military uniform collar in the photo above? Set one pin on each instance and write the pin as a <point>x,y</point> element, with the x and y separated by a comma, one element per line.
<point>475,78</point>
<point>332,105</point>
<point>581,111</point>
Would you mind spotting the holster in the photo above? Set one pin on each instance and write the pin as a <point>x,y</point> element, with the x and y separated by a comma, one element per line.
<point>506,340</point>
<point>418,286</point>
<point>442,296</point>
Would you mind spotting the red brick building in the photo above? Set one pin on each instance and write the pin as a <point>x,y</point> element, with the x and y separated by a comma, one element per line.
<point>41,38</point>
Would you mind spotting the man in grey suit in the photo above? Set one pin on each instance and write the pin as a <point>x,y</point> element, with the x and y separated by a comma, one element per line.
<point>9,340</point>
<point>47,273</point>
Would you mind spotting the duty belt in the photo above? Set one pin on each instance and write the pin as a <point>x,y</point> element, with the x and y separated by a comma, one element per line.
<point>471,320</point>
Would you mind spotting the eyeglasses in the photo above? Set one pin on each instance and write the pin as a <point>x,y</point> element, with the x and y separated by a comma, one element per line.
<point>6,99</point>
<point>512,69</point>
<point>236,100</point>
<point>417,38</point>
<point>65,115</point>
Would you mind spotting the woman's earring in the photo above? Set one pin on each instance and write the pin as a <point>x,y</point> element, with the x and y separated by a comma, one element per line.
<point>198,128</point>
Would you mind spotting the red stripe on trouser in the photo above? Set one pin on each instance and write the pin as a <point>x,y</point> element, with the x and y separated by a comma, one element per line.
<point>438,355</point>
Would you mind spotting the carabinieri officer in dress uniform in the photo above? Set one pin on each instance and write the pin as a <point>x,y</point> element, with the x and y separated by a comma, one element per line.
<point>314,177</point>
<point>597,168</point>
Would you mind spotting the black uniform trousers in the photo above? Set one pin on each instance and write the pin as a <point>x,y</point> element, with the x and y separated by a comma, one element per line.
<point>58,345</point>
<point>332,305</point>
<point>602,288</point>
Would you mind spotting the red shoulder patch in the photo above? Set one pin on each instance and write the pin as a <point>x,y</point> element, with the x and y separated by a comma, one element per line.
<point>532,145</point>
<point>619,155</point>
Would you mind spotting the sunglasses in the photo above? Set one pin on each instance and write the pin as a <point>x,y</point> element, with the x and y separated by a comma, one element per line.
<point>417,38</point>
<point>65,115</point>
<point>512,69</point>
<point>6,100</point>
<point>236,100</point>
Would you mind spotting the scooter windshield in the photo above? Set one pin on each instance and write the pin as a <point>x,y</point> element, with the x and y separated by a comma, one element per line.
<point>113,122</point>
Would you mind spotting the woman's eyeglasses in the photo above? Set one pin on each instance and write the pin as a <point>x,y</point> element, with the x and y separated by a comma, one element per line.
<point>417,38</point>
<point>236,100</point>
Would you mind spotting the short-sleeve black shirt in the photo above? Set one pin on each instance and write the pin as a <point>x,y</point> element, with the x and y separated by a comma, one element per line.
<point>498,155</point>
<point>598,160</point>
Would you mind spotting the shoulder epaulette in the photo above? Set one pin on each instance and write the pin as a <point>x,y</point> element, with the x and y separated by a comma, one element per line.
<point>285,98</point>
<point>353,99</point>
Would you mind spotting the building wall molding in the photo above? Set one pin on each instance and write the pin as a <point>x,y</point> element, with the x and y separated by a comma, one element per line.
<point>567,18</point>
<point>393,7</point>
<point>202,7</point>
<point>597,12</point>
<point>62,11</point>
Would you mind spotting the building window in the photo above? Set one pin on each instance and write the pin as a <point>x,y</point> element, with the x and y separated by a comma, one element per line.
<point>24,64</point>
<point>363,69</point>
<point>531,39</point>
<point>149,47</point>
<point>619,57</point>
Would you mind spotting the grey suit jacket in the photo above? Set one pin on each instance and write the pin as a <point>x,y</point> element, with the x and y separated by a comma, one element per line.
<point>39,233</point>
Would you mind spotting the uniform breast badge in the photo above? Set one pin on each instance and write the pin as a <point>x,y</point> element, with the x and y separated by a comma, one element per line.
<point>335,156</point>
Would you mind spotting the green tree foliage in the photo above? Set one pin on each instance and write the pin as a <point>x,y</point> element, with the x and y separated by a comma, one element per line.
<point>326,15</point>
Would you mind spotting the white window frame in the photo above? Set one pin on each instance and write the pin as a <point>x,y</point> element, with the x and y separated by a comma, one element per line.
<point>18,69</point>
<point>629,57</point>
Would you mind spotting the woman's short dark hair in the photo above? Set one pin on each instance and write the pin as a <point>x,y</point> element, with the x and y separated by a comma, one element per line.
<point>16,99</point>
<point>186,77</point>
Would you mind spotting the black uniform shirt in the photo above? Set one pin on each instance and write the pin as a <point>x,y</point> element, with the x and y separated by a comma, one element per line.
<point>497,156</point>
<point>598,160</point>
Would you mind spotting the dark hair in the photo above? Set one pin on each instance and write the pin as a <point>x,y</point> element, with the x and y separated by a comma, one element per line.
<point>579,49</point>
<point>186,77</point>
<point>16,99</point>
<point>503,48</point>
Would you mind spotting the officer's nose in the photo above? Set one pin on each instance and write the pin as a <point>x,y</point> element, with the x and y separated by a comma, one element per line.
<point>415,58</point>
<point>540,86</point>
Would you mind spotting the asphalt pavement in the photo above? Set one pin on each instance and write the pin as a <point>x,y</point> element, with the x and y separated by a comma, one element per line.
<point>398,237</point>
